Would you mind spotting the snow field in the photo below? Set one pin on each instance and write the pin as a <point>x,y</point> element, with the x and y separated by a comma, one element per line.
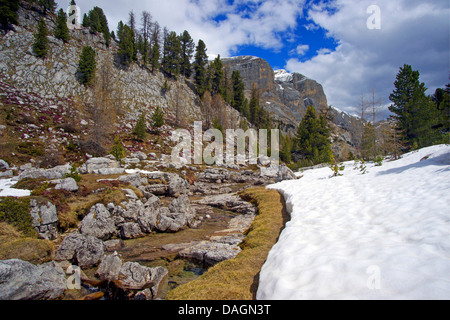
<point>380,235</point>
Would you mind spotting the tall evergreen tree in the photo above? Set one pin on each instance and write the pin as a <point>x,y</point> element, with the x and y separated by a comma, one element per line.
<point>217,76</point>
<point>201,60</point>
<point>8,13</point>
<point>413,110</point>
<point>155,56</point>
<point>87,65</point>
<point>126,52</point>
<point>311,139</point>
<point>40,45</point>
<point>187,50</point>
<point>62,31</point>
<point>238,90</point>
<point>172,55</point>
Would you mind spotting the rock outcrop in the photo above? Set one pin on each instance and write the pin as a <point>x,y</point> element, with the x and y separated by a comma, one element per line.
<point>21,280</point>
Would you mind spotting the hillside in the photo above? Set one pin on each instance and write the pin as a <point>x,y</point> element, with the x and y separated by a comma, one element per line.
<point>377,232</point>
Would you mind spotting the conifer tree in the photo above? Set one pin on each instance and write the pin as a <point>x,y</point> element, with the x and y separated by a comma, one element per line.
<point>201,59</point>
<point>217,76</point>
<point>187,50</point>
<point>126,50</point>
<point>118,151</point>
<point>154,57</point>
<point>140,130</point>
<point>413,110</point>
<point>238,90</point>
<point>41,43</point>
<point>62,31</point>
<point>172,55</point>
<point>87,65</point>
<point>157,119</point>
<point>311,139</point>
<point>8,13</point>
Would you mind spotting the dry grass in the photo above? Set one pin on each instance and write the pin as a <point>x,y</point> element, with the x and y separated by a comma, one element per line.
<point>238,279</point>
<point>13,245</point>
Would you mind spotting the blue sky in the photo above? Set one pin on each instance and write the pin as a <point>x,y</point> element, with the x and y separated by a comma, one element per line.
<point>326,40</point>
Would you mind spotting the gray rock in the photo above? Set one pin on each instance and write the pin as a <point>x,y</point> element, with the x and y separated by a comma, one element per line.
<point>284,173</point>
<point>109,267</point>
<point>130,230</point>
<point>45,219</point>
<point>49,174</point>
<point>136,180</point>
<point>68,184</point>
<point>210,253</point>
<point>21,280</point>
<point>182,207</point>
<point>113,245</point>
<point>99,166</point>
<point>98,223</point>
<point>4,165</point>
<point>137,277</point>
<point>86,251</point>
<point>229,202</point>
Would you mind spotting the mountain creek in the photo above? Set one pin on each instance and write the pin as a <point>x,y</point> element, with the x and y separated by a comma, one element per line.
<point>162,249</point>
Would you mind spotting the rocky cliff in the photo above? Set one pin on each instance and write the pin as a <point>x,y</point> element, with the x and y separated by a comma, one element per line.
<point>287,95</point>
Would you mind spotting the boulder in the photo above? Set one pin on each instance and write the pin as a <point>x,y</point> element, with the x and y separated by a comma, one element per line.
<point>136,180</point>
<point>109,267</point>
<point>98,223</point>
<point>284,173</point>
<point>4,165</point>
<point>53,173</point>
<point>130,230</point>
<point>83,250</point>
<point>101,166</point>
<point>68,184</point>
<point>21,280</point>
<point>230,202</point>
<point>210,252</point>
<point>45,219</point>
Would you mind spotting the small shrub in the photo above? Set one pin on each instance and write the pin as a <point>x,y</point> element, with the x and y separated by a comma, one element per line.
<point>73,174</point>
<point>118,151</point>
<point>378,161</point>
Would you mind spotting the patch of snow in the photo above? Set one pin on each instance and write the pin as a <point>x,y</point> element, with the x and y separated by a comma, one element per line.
<point>380,235</point>
<point>7,191</point>
<point>283,75</point>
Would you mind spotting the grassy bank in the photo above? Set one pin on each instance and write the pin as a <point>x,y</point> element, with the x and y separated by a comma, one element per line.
<point>237,279</point>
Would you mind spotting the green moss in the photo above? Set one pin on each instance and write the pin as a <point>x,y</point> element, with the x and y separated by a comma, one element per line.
<point>16,212</point>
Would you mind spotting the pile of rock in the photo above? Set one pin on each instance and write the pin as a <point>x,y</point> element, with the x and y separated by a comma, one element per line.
<point>136,218</point>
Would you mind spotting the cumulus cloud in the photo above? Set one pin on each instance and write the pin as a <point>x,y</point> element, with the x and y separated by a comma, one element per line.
<point>412,32</point>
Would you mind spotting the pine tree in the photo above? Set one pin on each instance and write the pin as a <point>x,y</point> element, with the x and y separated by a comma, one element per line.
<point>48,6</point>
<point>187,50</point>
<point>62,31</point>
<point>118,151</point>
<point>201,59</point>
<point>87,65</point>
<point>8,13</point>
<point>217,77</point>
<point>172,55</point>
<point>154,57</point>
<point>413,111</point>
<point>157,119</point>
<point>311,139</point>
<point>140,130</point>
<point>238,90</point>
<point>41,43</point>
<point>126,46</point>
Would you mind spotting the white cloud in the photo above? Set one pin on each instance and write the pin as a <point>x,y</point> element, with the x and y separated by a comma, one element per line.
<point>300,50</point>
<point>412,32</point>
